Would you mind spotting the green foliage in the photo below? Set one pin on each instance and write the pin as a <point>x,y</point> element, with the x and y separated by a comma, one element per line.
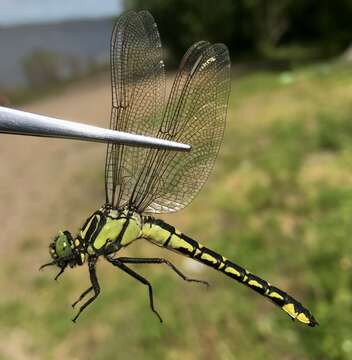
<point>251,26</point>
<point>184,22</point>
<point>333,134</point>
<point>43,67</point>
<point>326,22</point>
<point>321,223</point>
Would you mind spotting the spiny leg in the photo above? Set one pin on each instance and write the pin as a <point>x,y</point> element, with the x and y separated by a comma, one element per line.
<point>130,260</point>
<point>82,296</point>
<point>118,263</point>
<point>95,285</point>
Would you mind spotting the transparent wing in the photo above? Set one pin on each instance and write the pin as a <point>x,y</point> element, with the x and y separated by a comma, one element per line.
<point>196,115</point>
<point>138,88</point>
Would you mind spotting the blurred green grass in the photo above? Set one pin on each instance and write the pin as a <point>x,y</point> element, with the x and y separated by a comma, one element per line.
<point>279,203</point>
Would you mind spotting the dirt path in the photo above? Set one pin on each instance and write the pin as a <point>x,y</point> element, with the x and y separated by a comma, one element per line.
<point>38,176</point>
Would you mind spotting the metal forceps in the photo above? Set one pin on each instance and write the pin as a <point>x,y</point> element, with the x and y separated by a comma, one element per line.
<point>24,123</point>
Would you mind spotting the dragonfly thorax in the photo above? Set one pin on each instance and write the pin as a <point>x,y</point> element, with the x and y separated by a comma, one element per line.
<point>107,230</point>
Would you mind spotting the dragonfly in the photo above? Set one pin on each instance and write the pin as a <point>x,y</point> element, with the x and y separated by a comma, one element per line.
<point>141,183</point>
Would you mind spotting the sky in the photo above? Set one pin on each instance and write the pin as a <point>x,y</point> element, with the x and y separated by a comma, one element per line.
<point>38,11</point>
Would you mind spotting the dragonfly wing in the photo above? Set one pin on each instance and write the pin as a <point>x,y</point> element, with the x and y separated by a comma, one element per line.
<point>195,115</point>
<point>138,88</point>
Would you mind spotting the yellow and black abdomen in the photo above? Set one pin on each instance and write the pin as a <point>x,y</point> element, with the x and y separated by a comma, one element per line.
<point>163,234</point>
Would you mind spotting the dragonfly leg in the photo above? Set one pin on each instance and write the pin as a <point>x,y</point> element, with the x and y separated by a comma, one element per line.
<point>130,260</point>
<point>82,296</point>
<point>126,269</point>
<point>48,264</point>
<point>51,264</point>
<point>95,285</point>
<point>60,272</point>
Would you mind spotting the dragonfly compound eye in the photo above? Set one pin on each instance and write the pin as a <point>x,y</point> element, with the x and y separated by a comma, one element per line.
<point>61,247</point>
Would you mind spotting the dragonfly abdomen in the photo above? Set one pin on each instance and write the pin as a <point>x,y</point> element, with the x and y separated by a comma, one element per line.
<point>163,234</point>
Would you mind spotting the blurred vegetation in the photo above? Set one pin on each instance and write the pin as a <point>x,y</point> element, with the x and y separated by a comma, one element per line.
<point>47,78</point>
<point>279,203</point>
<point>42,67</point>
<point>253,27</point>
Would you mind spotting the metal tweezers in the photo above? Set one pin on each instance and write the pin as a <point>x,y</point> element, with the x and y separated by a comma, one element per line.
<point>25,123</point>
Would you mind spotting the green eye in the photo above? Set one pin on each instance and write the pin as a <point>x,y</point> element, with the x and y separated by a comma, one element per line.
<point>62,245</point>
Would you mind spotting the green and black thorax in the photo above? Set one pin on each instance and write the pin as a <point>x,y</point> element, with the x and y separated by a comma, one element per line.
<point>107,230</point>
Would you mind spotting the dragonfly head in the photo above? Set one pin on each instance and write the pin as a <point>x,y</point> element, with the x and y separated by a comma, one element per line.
<point>61,250</point>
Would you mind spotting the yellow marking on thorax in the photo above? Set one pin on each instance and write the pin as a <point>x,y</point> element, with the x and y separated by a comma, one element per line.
<point>132,232</point>
<point>112,228</point>
<point>109,231</point>
<point>83,232</point>
<point>113,213</point>
<point>83,257</point>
